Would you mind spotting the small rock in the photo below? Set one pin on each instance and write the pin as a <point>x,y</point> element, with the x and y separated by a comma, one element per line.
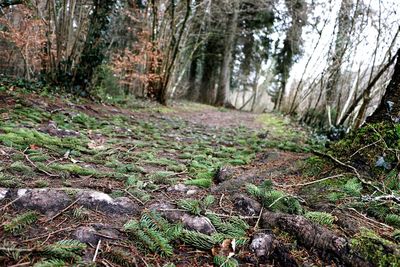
<point>103,202</point>
<point>3,193</point>
<point>181,188</point>
<point>86,234</point>
<point>45,200</point>
<point>224,174</point>
<point>246,205</point>
<point>197,223</point>
<point>262,244</point>
<point>191,192</point>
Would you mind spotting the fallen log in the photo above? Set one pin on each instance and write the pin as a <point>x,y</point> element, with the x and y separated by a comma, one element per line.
<point>312,236</point>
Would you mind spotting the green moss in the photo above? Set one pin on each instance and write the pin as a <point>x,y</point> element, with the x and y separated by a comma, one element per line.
<point>322,218</point>
<point>73,169</point>
<point>8,181</point>
<point>162,177</point>
<point>41,183</point>
<point>313,166</point>
<point>20,167</point>
<point>393,219</point>
<point>201,182</point>
<point>379,251</point>
<point>21,138</point>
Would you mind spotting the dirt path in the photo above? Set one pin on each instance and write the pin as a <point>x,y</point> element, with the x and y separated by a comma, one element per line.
<point>104,175</point>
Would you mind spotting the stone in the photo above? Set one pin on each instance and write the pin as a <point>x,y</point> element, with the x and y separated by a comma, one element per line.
<point>92,234</point>
<point>103,202</point>
<point>3,193</point>
<point>262,244</point>
<point>182,188</point>
<point>86,234</point>
<point>224,174</point>
<point>246,206</point>
<point>45,200</point>
<point>197,223</point>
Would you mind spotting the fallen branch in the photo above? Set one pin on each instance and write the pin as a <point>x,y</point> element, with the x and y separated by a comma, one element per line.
<point>312,182</point>
<point>135,198</point>
<point>64,210</point>
<point>39,169</point>
<point>10,203</point>
<point>315,237</point>
<point>371,220</point>
<point>97,250</point>
<point>337,161</point>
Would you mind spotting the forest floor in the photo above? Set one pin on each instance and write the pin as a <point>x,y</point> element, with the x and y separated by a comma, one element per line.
<point>235,187</point>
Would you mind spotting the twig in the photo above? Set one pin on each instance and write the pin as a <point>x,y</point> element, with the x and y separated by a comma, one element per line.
<point>49,234</point>
<point>348,167</point>
<point>11,202</point>
<point>229,216</point>
<point>135,198</point>
<point>107,236</point>
<point>312,182</point>
<point>371,220</point>
<point>259,218</point>
<point>21,264</point>
<point>64,210</point>
<point>276,200</point>
<point>34,165</point>
<point>220,203</point>
<point>337,161</point>
<point>97,250</point>
<point>364,147</point>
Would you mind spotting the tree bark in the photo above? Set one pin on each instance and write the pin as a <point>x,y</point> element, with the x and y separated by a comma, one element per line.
<point>389,107</point>
<point>313,236</point>
<point>93,52</point>
<point>224,79</point>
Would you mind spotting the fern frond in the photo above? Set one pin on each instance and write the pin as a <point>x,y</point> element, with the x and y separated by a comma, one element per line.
<point>236,221</point>
<point>120,257</point>
<point>208,201</point>
<point>20,222</point>
<point>254,190</point>
<point>191,205</point>
<point>222,261</point>
<point>226,227</point>
<point>393,219</point>
<point>197,239</point>
<point>353,187</point>
<point>51,263</point>
<point>201,182</point>
<point>322,218</point>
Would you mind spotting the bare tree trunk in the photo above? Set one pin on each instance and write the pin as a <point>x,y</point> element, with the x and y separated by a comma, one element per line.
<point>224,79</point>
<point>346,24</point>
<point>93,50</point>
<point>389,107</point>
<point>367,90</point>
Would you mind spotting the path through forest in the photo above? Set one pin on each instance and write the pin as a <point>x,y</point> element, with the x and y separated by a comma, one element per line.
<point>109,177</point>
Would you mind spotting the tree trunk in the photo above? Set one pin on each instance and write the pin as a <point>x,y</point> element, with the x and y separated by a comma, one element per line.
<point>345,26</point>
<point>315,237</point>
<point>224,79</point>
<point>192,93</point>
<point>389,107</point>
<point>211,63</point>
<point>93,52</point>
